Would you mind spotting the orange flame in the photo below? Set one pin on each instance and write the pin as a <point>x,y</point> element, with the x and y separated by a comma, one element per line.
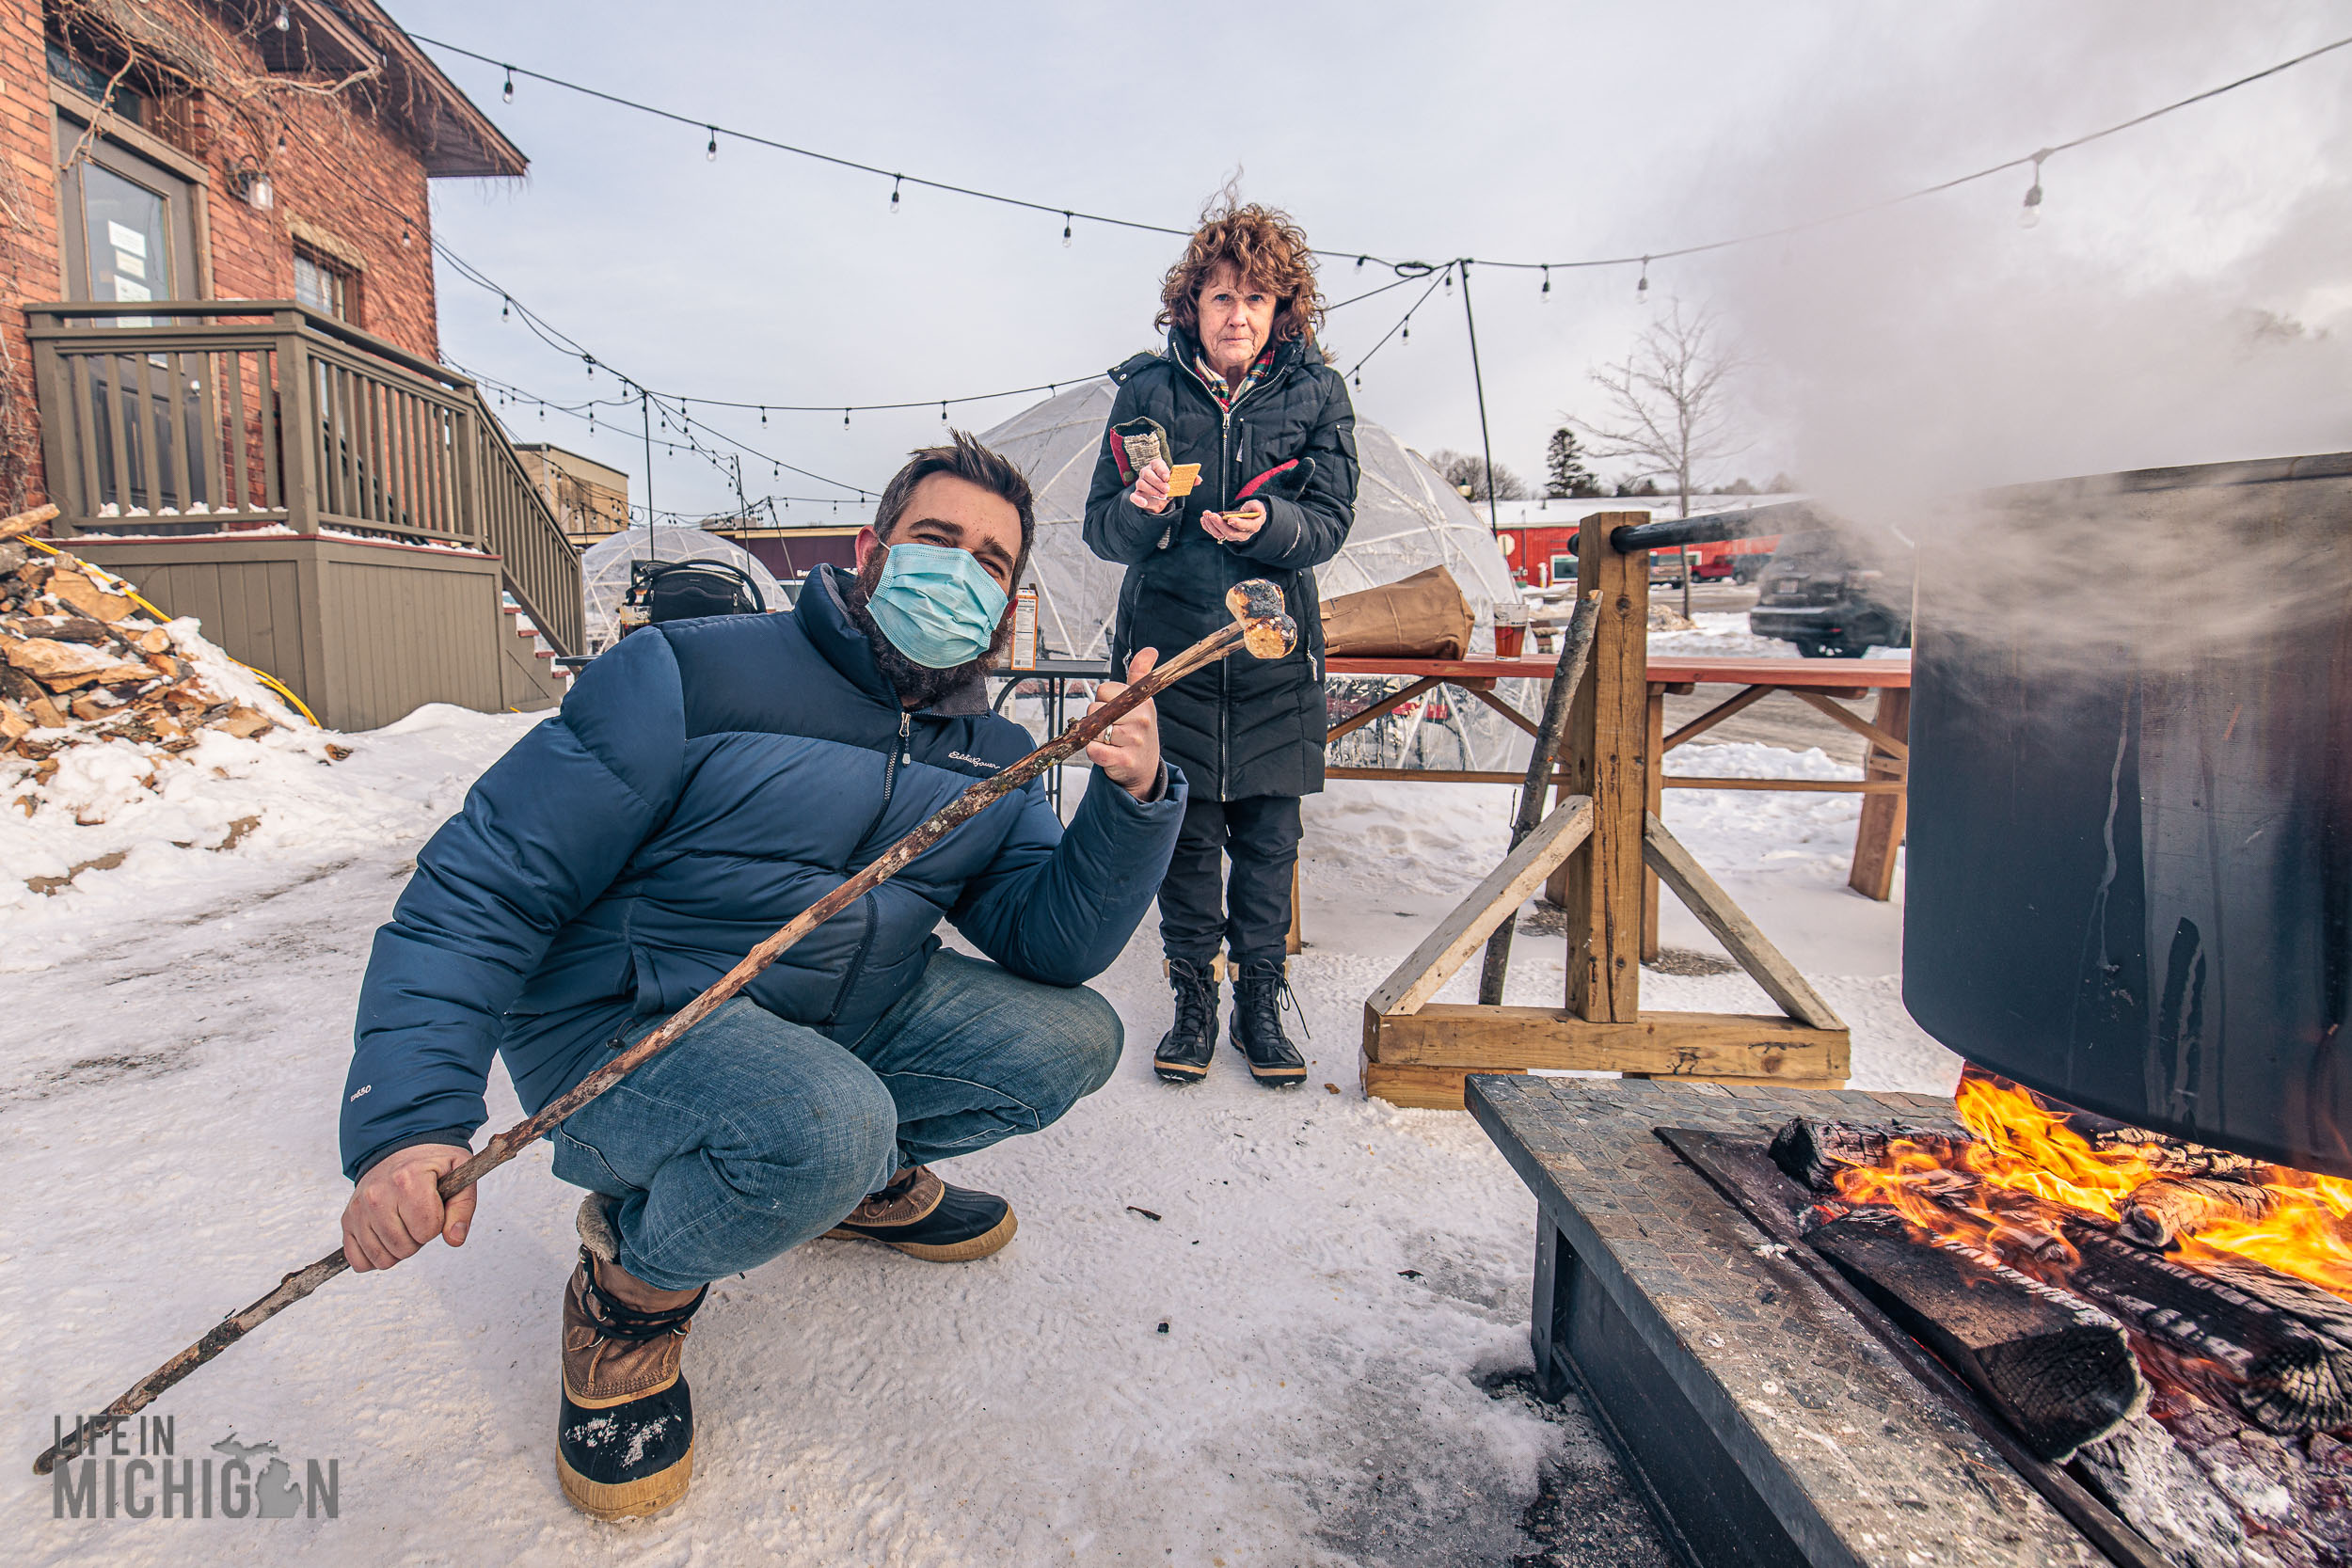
<point>2024,1147</point>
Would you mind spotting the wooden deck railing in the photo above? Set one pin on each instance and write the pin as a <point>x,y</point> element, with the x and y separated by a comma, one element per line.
<point>204,416</point>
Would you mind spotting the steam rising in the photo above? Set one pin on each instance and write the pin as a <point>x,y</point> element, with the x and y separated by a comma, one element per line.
<point>2185,298</point>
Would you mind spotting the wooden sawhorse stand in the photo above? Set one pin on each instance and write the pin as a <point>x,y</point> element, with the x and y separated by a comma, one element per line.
<point>1595,846</point>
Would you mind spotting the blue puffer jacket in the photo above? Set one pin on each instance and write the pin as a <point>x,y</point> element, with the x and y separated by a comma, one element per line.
<point>705,782</point>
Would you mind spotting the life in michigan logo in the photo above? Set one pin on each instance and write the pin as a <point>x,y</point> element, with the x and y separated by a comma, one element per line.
<point>137,1472</point>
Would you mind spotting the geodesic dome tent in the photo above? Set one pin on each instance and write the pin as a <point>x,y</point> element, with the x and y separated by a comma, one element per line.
<point>1407,519</point>
<point>604,568</point>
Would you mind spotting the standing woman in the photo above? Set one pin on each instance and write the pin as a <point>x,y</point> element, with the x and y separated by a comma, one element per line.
<point>1242,392</point>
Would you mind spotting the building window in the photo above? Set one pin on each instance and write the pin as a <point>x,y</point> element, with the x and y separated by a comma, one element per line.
<point>325,288</point>
<point>90,82</point>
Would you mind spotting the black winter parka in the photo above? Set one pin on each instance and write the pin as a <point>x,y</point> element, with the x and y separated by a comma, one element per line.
<point>1245,726</point>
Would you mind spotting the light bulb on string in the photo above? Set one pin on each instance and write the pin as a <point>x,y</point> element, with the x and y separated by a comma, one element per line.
<point>1065,230</point>
<point>282,143</point>
<point>845,419</point>
<point>894,193</point>
<point>506,308</point>
<point>283,20</point>
<point>2030,214</point>
<point>943,413</point>
<point>1361,261</point>
<point>405,232</point>
<point>1408,329</point>
<point>763,414</point>
<point>1641,289</point>
<point>1547,289</point>
<point>1448,282</point>
<point>1359,381</point>
<point>507,93</point>
<point>710,153</point>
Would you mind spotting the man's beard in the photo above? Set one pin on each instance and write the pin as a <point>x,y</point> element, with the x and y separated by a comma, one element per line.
<point>919,685</point>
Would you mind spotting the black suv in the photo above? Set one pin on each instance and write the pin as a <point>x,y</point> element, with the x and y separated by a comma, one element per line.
<point>1838,594</point>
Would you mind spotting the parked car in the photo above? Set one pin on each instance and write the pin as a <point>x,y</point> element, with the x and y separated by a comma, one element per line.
<point>1837,592</point>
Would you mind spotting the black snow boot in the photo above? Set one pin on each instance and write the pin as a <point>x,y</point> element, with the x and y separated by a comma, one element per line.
<point>1258,991</point>
<point>1185,1049</point>
<point>625,1437</point>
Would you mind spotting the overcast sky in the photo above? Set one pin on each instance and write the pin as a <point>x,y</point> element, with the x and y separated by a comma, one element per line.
<point>2185,297</point>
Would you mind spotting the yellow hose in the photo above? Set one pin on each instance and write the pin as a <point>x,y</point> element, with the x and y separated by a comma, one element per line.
<point>132,593</point>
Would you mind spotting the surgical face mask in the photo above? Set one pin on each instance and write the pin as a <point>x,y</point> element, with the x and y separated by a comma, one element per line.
<point>937,604</point>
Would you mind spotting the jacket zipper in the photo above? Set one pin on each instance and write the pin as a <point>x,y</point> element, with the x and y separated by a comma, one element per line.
<point>902,752</point>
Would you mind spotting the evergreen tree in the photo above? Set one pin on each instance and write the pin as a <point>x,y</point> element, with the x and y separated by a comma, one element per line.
<point>1565,473</point>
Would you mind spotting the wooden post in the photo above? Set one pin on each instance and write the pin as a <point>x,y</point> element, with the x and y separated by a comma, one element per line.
<point>1608,759</point>
<point>1656,752</point>
<point>1294,941</point>
<point>1883,816</point>
<point>299,424</point>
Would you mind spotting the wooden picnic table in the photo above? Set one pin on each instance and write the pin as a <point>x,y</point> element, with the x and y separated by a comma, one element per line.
<point>1823,684</point>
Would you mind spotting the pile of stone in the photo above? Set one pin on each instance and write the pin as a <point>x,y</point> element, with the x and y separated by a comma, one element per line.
<point>82,662</point>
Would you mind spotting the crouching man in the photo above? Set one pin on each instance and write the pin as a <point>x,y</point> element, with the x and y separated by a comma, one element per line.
<point>706,782</point>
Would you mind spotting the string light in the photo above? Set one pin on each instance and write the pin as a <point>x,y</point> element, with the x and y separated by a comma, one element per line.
<point>1065,230</point>
<point>894,193</point>
<point>2030,214</point>
<point>405,232</point>
<point>1361,261</point>
<point>1545,295</point>
<point>845,419</point>
<point>506,94</point>
<point>506,308</point>
<point>763,416</point>
<point>1068,215</point>
<point>283,20</point>
<point>943,413</point>
<point>1641,289</point>
<point>710,153</point>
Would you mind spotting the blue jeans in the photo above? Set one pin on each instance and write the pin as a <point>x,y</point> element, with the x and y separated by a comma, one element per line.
<point>752,1134</point>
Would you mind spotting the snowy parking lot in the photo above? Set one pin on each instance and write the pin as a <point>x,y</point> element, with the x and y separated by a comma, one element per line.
<point>1237,1327</point>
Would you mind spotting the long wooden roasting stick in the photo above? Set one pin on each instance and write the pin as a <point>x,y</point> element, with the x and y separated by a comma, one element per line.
<point>1259,625</point>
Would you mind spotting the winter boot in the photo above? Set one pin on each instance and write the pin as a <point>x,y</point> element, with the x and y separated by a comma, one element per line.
<point>1185,1049</point>
<point>625,1442</point>
<point>924,1217</point>
<point>1259,990</point>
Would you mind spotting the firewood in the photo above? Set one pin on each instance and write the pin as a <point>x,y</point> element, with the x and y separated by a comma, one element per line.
<point>14,721</point>
<point>2141,1473</point>
<point>245,722</point>
<point>2159,1213</point>
<point>2165,1154</point>
<point>1811,1152</point>
<point>81,629</point>
<point>2054,1367</point>
<point>73,588</point>
<point>2240,1337</point>
<point>25,522</point>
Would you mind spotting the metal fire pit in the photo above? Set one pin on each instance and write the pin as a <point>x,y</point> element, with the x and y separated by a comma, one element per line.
<point>1768,1426</point>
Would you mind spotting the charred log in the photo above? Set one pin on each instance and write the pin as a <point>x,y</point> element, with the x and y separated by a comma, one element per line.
<point>2142,1474</point>
<point>1811,1152</point>
<point>2054,1367</point>
<point>2164,1153</point>
<point>2240,1337</point>
<point>2160,1213</point>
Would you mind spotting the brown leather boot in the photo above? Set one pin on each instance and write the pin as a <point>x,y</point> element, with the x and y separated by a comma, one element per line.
<point>925,1217</point>
<point>625,1440</point>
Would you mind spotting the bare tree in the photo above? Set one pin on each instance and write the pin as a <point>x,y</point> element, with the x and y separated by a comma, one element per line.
<point>1466,472</point>
<point>1666,400</point>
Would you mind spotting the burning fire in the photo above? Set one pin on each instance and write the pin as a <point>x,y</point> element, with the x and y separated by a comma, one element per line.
<point>2022,1146</point>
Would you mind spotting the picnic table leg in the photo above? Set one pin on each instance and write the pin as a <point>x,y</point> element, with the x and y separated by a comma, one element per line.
<point>1548,1326</point>
<point>1883,816</point>
<point>1657,808</point>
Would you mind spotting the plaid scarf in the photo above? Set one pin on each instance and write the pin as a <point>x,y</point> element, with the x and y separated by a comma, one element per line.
<point>1215,382</point>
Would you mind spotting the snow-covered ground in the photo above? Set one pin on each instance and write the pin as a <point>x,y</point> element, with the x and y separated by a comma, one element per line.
<point>1342,1286</point>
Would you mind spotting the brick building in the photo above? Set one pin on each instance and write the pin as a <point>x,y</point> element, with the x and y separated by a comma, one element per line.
<point>219,351</point>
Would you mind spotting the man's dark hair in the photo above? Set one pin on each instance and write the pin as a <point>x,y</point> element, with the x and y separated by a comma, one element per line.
<point>967,460</point>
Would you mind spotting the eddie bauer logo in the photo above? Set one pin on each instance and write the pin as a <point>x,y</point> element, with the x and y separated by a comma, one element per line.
<point>136,1473</point>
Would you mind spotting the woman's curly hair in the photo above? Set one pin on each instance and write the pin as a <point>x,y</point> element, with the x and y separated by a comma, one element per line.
<point>1267,247</point>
